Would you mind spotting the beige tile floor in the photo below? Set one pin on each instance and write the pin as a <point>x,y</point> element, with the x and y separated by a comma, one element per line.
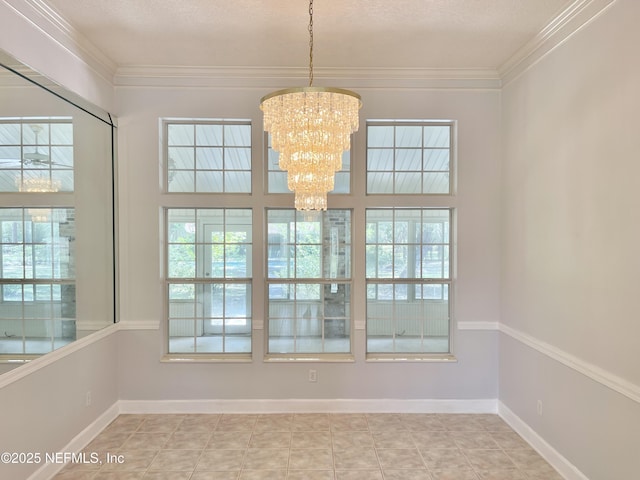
<point>310,447</point>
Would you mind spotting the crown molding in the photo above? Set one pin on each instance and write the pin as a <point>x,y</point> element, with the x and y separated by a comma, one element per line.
<point>48,21</point>
<point>276,77</point>
<point>571,20</point>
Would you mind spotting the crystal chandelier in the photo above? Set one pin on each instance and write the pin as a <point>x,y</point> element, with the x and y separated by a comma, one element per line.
<point>310,127</point>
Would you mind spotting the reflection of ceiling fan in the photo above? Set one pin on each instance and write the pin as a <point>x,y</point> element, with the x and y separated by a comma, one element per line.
<point>36,157</point>
<point>29,159</point>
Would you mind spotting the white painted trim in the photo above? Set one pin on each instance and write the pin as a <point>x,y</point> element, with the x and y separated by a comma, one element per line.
<point>138,325</point>
<point>478,326</point>
<point>52,357</point>
<point>42,361</point>
<point>277,77</point>
<point>48,470</point>
<point>565,24</point>
<point>600,375</point>
<point>571,20</point>
<point>46,19</point>
<point>393,405</point>
<point>550,454</point>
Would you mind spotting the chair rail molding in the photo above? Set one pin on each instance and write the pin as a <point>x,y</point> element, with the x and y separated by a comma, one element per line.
<point>600,375</point>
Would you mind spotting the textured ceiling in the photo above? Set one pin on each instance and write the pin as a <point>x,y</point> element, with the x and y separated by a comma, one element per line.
<point>448,34</point>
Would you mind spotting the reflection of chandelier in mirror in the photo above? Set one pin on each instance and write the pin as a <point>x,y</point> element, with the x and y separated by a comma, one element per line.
<point>310,127</point>
<point>39,185</point>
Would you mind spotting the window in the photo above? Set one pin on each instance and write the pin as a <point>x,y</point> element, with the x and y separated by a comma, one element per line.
<point>208,250</point>
<point>309,282</point>
<point>409,157</point>
<point>277,179</point>
<point>36,155</point>
<point>408,249</point>
<point>306,302</point>
<point>209,280</point>
<point>208,156</point>
<point>408,274</point>
<point>37,256</point>
<point>37,279</point>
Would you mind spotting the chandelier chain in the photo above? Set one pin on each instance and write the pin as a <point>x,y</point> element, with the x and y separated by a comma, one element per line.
<point>310,42</point>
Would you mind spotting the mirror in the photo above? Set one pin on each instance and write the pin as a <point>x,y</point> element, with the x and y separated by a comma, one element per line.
<point>57,216</point>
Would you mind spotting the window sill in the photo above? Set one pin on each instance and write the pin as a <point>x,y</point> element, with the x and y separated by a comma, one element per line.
<point>396,357</point>
<point>18,358</point>
<point>321,358</point>
<point>206,358</point>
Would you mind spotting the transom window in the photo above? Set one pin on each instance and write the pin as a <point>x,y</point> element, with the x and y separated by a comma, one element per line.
<point>408,272</point>
<point>209,280</point>
<point>277,179</point>
<point>309,282</point>
<point>409,157</point>
<point>36,155</point>
<point>208,156</point>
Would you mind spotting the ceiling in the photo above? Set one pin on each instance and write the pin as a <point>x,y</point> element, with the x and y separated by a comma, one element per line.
<point>434,34</point>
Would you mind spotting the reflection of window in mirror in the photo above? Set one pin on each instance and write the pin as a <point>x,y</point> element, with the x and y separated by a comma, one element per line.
<point>38,291</point>
<point>36,155</point>
<point>37,246</point>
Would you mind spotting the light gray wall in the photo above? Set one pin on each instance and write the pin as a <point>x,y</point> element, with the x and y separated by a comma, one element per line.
<point>43,411</point>
<point>474,376</point>
<point>142,377</point>
<point>570,234</point>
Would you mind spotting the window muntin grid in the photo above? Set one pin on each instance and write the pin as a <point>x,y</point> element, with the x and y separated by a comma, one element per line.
<point>409,157</point>
<point>208,156</point>
<point>37,279</point>
<point>209,258</point>
<point>36,149</point>
<point>408,276</point>
<point>308,282</point>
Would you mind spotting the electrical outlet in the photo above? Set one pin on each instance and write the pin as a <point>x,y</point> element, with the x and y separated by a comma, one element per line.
<point>87,398</point>
<point>539,407</point>
<point>313,375</point>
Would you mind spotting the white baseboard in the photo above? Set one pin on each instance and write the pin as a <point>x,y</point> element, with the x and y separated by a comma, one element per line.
<point>310,405</point>
<point>48,470</point>
<point>550,454</point>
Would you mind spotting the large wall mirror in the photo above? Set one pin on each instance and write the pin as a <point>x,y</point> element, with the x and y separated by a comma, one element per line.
<point>57,216</point>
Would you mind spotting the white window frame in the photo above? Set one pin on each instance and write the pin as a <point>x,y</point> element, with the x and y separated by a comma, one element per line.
<point>428,329</point>
<point>202,201</point>
<point>204,278</point>
<point>168,163</point>
<point>333,280</point>
<point>424,149</point>
<point>438,201</point>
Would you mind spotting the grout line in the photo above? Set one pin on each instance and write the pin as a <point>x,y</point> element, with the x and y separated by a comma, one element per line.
<point>485,431</point>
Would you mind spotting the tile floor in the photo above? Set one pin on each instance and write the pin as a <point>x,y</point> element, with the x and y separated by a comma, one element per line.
<point>310,447</point>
